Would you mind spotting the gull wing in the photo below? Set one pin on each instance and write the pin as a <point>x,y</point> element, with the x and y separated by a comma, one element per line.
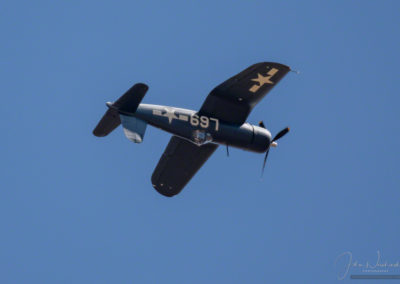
<point>178,164</point>
<point>233,100</point>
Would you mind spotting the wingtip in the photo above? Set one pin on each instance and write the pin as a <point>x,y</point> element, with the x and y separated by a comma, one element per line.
<point>142,85</point>
<point>164,192</point>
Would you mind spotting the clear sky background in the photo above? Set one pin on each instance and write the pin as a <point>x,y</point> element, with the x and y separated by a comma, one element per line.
<point>75,208</point>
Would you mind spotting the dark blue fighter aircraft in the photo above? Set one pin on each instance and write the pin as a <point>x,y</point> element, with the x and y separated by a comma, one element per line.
<point>197,134</point>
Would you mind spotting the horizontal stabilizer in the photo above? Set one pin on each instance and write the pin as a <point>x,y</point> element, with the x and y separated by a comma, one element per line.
<point>129,102</point>
<point>126,104</point>
<point>108,123</point>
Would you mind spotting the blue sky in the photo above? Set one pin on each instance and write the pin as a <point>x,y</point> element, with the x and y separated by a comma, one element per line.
<point>78,209</point>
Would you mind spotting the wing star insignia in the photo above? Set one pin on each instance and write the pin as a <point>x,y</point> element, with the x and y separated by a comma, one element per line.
<point>261,80</point>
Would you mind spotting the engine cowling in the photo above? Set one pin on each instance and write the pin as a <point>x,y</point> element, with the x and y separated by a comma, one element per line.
<point>261,139</point>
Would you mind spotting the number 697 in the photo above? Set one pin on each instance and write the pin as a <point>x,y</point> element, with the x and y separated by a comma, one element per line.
<point>203,121</point>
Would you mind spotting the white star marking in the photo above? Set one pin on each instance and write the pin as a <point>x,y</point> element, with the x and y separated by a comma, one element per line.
<point>170,113</point>
<point>157,112</point>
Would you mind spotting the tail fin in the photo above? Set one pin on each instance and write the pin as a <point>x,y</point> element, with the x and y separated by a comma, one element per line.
<point>126,104</point>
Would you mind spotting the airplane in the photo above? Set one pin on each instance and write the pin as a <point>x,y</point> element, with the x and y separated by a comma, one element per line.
<point>221,120</point>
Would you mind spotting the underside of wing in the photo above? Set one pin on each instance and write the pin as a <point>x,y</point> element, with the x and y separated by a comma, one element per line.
<point>233,100</point>
<point>178,164</point>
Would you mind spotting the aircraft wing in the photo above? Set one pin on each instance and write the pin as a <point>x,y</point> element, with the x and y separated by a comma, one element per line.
<point>178,164</point>
<point>233,100</point>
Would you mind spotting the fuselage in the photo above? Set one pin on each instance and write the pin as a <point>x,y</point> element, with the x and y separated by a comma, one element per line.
<point>189,125</point>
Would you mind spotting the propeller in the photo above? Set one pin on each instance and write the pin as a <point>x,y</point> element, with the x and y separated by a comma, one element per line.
<point>273,143</point>
<point>281,133</point>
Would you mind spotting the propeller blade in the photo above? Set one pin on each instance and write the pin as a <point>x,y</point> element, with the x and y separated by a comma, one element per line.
<point>227,150</point>
<point>261,124</point>
<point>281,133</point>
<point>265,161</point>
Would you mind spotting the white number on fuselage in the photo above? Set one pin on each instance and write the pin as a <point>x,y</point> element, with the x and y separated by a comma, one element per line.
<point>204,121</point>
